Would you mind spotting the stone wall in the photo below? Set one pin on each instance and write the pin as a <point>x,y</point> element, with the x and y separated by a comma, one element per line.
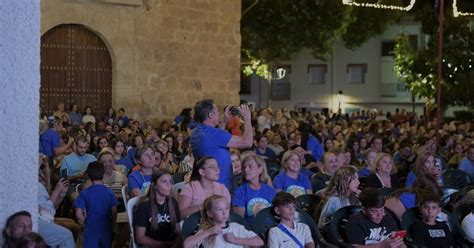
<point>19,100</point>
<point>166,54</point>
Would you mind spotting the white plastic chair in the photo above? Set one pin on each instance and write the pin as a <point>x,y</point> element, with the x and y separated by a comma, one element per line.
<point>125,195</point>
<point>130,205</point>
<point>177,188</point>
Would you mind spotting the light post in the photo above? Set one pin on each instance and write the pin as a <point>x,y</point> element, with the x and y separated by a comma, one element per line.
<point>339,98</point>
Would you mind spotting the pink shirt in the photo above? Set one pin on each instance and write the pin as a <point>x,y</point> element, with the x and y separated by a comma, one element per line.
<point>197,194</point>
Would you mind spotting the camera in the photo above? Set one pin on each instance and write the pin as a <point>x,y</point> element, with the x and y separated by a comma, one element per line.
<point>234,110</point>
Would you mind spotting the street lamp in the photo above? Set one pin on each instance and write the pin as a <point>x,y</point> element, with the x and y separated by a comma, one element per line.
<point>339,97</point>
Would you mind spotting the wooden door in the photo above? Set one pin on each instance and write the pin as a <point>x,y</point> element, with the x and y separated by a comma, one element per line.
<point>75,68</point>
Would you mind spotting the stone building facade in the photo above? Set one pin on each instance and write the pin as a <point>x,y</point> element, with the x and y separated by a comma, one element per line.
<point>166,54</point>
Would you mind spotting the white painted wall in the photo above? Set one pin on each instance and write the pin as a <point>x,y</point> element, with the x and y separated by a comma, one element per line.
<point>19,101</point>
<point>363,96</point>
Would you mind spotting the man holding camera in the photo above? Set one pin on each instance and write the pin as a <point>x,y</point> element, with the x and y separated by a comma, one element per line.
<point>209,140</point>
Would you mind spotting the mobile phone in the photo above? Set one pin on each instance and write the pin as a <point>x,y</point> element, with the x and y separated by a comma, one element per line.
<point>63,173</point>
<point>400,234</point>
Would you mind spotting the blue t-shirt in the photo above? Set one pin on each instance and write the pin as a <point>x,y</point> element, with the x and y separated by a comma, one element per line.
<point>210,141</point>
<point>98,201</point>
<point>315,147</point>
<point>75,118</point>
<point>75,164</point>
<point>253,200</point>
<point>468,166</point>
<point>131,155</point>
<point>126,162</point>
<point>408,199</point>
<point>410,179</point>
<point>49,140</point>
<point>137,180</point>
<point>267,154</point>
<point>122,121</point>
<point>364,172</point>
<point>296,187</point>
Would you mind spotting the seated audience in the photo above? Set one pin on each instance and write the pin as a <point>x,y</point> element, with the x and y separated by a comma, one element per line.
<point>342,190</point>
<point>203,184</point>
<point>255,193</point>
<point>369,163</point>
<point>120,155</point>
<point>429,232</point>
<point>467,223</point>
<point>425,163</point>
<point>32,240</point>
<point>157,217</point>
<point>291,180</point>
<point>371,227</point>
<point>216,231</point>
<point>288,233</point>
<point>17,226</point>
<point>384,174</point>
<point>263,150</point>
<point>139,181</point>
<point>321,179</point>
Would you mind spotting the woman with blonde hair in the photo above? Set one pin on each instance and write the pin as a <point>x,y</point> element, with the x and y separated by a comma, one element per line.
<point>256,191</point>
<point>384,174</point>
<point>291,180</point>
<point>342,190</point>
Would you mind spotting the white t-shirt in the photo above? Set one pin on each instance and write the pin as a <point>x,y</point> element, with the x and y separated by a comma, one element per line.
<point>238,230</point>
<point>467,225</point>
<point>277,238</point>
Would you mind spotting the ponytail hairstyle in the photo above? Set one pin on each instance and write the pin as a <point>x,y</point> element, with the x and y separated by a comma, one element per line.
<point>206,221</point>
<point>198,164</point>
<point>169,202</point>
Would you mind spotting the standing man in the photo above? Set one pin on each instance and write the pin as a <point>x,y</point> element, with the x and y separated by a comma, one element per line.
<point>50,144</point>
<point>208,139</point>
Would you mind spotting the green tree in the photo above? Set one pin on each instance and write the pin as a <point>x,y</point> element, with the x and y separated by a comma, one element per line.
<point>273,30</point>
<point>418,69</point>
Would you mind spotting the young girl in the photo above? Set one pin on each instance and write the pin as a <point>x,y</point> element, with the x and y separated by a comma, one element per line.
<point>341,191</point>
<point>291,180</point>
<point>256,192</point>
<point>215,231</point>
<point>156,219</point>
<point>425,163</point>
<point>121,157</point>
<point>202,185</point>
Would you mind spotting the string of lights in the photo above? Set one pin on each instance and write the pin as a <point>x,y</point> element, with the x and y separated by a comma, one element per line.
<point>457,13</point>
<point>380,6</point>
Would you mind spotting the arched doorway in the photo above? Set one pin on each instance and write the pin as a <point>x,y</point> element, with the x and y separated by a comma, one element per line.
<point>75,68</point>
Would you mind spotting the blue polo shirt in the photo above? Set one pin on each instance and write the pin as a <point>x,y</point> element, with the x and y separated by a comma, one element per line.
<point>211,141</point>
<point>49,140</point>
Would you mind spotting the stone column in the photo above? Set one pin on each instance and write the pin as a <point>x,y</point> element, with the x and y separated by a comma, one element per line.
<point>19,101</point>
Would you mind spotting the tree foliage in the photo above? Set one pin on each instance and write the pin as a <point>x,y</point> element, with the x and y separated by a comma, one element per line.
<point>273,30</point>
<point>418,69</point>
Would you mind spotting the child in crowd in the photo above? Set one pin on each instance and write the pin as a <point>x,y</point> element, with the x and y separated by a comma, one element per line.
<point>342,191</point>
<point>157,218</point>
<point>371,227</point>
<point>291,180</point>
<point>288,233</point>
<point>98,215</point>
<point>429,232</point>
<point>216,231</point>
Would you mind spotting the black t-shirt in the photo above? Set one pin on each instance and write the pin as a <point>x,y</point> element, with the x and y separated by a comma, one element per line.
<point>374,182</point>
<point>434,236</point>
<point>361,231</point>
<point>319,181</point>
<point>164,232</point>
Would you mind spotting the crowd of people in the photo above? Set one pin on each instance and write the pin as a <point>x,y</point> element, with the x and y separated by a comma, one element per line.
<point>242,163</point>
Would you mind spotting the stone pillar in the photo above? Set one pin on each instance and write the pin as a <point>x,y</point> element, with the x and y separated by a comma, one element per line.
<point>19,101</point>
